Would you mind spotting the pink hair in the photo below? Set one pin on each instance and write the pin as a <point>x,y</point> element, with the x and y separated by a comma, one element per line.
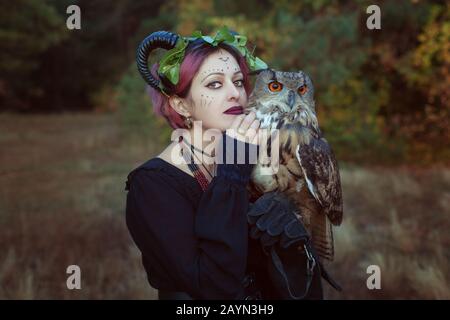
<point>195,55</point>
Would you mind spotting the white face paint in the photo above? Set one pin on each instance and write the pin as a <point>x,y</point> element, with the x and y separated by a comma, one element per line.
<point>217,86</point>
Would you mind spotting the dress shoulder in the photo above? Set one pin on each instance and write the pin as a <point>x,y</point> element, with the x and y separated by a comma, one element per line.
<point>174,177</point>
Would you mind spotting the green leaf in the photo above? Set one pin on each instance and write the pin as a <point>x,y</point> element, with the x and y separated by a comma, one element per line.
<point>170,64</point>
<point>208,39</point>
<point>260,64</point>
<point>240,40</point>
<point>242,50</point>
<point>173,74</point>
<point>224,35</point>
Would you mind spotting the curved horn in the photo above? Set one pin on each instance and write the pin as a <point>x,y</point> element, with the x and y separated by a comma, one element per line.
<point>159,39</point>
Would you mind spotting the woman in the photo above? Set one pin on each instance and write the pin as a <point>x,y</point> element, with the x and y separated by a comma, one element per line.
<point>190,222</point>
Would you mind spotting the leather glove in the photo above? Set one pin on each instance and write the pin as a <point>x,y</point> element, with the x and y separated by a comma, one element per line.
<point>273,220</point>
<point>284,239</point>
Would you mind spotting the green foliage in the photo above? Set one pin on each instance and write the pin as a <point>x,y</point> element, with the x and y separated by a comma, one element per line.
<point>68,67</point>
<point>381,95</point>
<point>364,79</point>
<point>135,109</point>
<point>170,64</point>
<point>27,29</point>
<point>351,123</point>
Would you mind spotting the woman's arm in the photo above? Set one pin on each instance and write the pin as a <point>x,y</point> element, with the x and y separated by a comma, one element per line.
<point>204,252</point>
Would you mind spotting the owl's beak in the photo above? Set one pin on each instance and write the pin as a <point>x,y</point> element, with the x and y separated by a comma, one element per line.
<point>291,99</point>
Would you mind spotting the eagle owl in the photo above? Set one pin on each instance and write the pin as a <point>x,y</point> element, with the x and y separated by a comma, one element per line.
<point>307,170</point>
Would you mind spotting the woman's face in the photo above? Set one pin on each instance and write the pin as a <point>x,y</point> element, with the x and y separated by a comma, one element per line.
<point>217,86</point>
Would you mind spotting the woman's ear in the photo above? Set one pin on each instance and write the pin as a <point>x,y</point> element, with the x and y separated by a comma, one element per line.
<point>179,105</point>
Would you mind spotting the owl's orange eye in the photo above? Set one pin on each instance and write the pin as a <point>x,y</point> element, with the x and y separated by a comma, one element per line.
<point>275,86</point>
<point>303,89</point>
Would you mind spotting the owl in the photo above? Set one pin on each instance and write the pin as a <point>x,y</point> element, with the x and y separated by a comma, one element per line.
<point>307,169</point>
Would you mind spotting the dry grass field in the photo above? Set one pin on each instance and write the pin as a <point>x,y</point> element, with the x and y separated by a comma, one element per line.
<point>62,202</point>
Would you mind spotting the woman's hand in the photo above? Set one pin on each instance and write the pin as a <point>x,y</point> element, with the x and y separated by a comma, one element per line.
<point>239,144</point>
<point>245,128</point>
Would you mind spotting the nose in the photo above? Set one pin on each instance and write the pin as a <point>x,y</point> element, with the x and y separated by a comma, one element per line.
<point>233,92</point>
<point>291,99</point>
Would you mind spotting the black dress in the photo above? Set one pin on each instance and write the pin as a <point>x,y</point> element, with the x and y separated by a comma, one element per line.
<point>193,241</point>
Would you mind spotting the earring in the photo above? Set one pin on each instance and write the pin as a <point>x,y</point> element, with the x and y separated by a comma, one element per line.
<point>188,122</point>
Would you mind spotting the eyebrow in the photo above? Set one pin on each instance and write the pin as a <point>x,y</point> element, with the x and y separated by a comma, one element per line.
<point>220,73</point>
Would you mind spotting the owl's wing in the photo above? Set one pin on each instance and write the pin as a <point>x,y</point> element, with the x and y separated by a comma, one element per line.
<point>321,173</point>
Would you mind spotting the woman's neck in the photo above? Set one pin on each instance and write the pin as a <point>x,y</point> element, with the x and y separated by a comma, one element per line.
<point>202,142</point>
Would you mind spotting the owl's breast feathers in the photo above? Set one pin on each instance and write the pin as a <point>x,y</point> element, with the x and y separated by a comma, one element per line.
<point>314,156</point>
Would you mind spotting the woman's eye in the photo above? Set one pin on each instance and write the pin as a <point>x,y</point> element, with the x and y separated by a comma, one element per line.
<point>240,83</point>
<point>217,84</point>
<point>214,85</point>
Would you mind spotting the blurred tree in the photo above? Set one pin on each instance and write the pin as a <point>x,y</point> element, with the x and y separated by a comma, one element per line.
<point>408,57</point>
<point>72,69</point>
<point>359,74</point>
<point>94,57</point>
<point>380,93</point>
<point>136,114</point>
<point>27,29</point>
<point>426,70</point>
